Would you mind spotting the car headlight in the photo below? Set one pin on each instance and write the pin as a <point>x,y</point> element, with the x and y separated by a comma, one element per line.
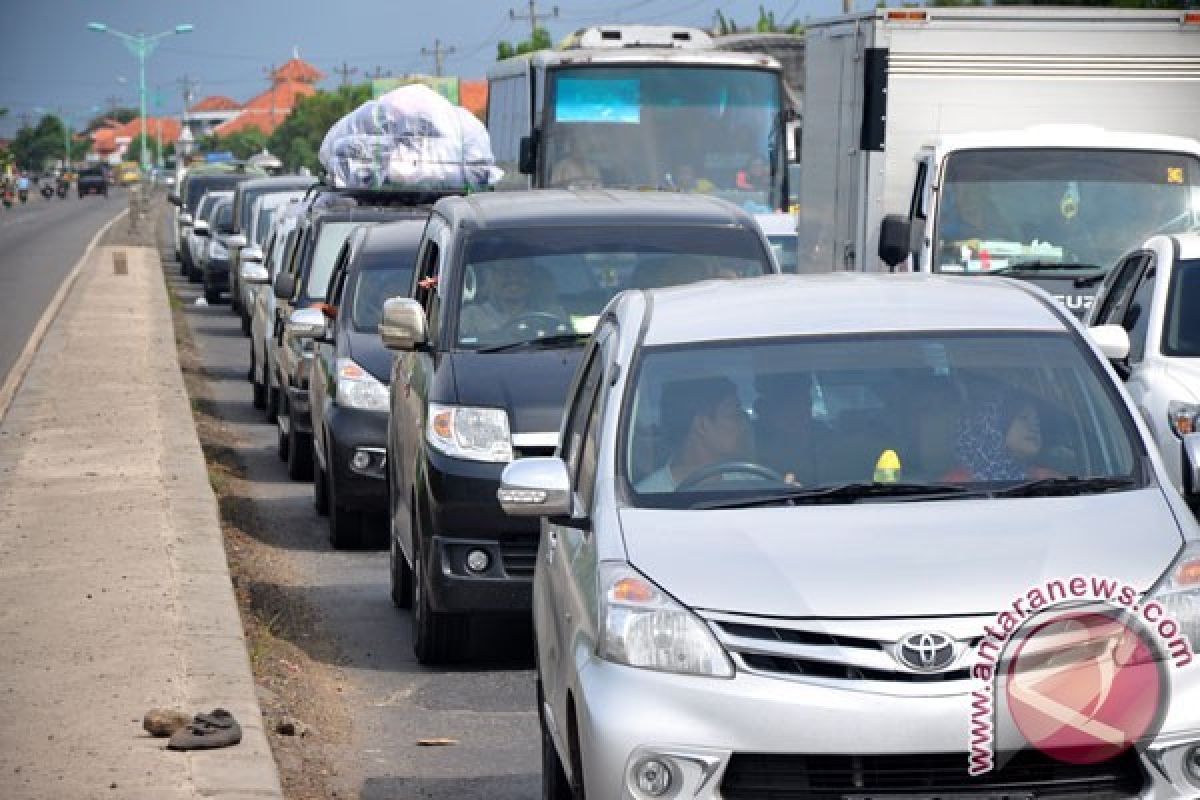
<point>476,434</point>
<point>357,388</point>
<point>1179,593</point>
<point>1183,417</point>
<point>643,627</point>
<point>217,250</point>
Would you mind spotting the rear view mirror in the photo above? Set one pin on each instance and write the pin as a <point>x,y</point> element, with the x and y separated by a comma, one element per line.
<point>185,219</point>
<point>527,160</point>
<point>200,228</point>
<point>235,240</point>
<point>285,285</point>
<point>895,235</point>
<point>306,323</point>
<point>252,272</point>
<point>403,325</point>
<point>535,487</point>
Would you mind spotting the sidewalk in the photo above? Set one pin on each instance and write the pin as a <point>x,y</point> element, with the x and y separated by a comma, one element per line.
<point>115,595</point>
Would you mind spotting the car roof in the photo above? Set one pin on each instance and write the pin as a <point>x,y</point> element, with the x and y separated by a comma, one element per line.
<point>1189,245</point>
<point>846,303</point>
<point>399,235</point>
<point>277,182</point>
<point>366,214</point>
<point>564,207</point>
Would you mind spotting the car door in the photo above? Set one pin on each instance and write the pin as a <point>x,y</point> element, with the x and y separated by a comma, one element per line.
<point>565,576</point>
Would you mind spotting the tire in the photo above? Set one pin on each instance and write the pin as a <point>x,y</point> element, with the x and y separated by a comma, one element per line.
<point>399,570</point>
<point>272,407</point>
<point>345,526</point>
<point>300,455</point>
<point>212,296</point>
<point>438,638</point>
<point>258,389</point>
<point>195,276</point>
<point>235,304</point>
<point>555,785</point>
<point>321,490</point>
<point>246,323</point>
<point>282,440</point>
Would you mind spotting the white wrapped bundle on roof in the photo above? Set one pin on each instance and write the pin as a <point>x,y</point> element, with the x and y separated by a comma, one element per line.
<point>410,138</point>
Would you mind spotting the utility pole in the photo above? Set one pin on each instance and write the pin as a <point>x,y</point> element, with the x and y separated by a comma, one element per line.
<point>379,72</point>
<point>439,53</point>
<point>533,16</point>
<point>847,6</point>
<point>345,70</point>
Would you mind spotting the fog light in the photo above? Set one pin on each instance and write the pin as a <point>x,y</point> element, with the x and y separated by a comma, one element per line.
<point>478,560</point>
<point>361,460</point>
<point>653,777</point>
<point>1191,763</point>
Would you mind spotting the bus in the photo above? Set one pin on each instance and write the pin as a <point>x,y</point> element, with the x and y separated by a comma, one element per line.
<point>643,107</point>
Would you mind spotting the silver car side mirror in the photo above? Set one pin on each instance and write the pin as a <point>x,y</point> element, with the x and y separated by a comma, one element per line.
<point>251,253</point>
<point>185,218</point>
<point>235,240</point>
<point>535,487</point>
<point>1112,341</point>
<point>306,323</point>
<point>403,326</point>
<point>252,272</point>
<point>200,228</point>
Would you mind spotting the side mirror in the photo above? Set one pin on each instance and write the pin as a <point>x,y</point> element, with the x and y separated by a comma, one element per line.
<point>306,323</point>
<point>200,228</point>
<point>527,160</point>
<point>895,239</point>
<point>251,253</point>
<point>174,199</point>
<point>252,272</point>
<point>535,487</point>
<point>285,285</point>
<point>1113,342</point>
<point>185,218</point>
<point>403,326</point>
<point>235,240</point>
<point>1191,465</point>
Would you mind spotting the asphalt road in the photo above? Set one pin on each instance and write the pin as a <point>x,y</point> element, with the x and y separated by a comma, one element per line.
<point>487,705</point>
<point>39,244</point>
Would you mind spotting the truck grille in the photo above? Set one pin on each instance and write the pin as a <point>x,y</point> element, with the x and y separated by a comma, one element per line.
<point>1027,774</point>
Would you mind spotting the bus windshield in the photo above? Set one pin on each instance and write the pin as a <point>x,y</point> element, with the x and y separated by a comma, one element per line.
<point>1065,210</point>
<point>695,129</point>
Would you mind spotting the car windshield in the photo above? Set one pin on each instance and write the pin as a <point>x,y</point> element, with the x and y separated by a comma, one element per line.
<point>374,286</point>
<point>330,238</point>
<point>952,412</point>
<point>1059,210</point>
<point>1181,332</point>
<point>531,284</point>
<point>693,129</point>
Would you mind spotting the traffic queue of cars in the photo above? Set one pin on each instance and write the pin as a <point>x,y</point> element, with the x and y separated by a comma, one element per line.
<point>761,521</point>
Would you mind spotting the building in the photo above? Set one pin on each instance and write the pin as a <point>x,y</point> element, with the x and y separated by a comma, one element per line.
<point>267,111</point>
<point>205,116</point>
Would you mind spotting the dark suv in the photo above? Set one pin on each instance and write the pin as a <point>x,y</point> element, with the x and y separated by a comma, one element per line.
<point>351,370</point>
<point>507,290</point>
<point>320,235</point>
<point>92,181</point>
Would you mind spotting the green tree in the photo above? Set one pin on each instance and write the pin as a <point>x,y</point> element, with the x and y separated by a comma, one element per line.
<point>723,25</point>
<point>296,141</point>
<point>34,148</point>
<point>244,143</point>
<point>120,115</point>
<point>539,41</point>
<point>134,151</point>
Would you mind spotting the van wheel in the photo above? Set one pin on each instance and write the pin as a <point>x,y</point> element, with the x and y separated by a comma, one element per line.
<point>438,638</point>
<point>321,490</point>
<point>345,526</point>
<point>401,574</point>
<point>300,455</point>
<point>246,322</point>
<point>555,785</point>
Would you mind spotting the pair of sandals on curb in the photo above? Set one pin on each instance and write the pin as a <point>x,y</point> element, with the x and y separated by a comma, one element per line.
<point>205,731</point>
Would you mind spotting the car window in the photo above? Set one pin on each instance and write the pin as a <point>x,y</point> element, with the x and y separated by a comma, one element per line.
<point>1123,276</point>
<point>580,414</point>
<point>1136,319</point>
<point>224,215</point>
<point>971,409</point>
<point>1181,334</point>
<point>523,284</point>
<point>330,237</point>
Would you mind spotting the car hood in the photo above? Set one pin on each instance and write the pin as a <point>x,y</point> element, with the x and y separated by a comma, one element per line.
<point>368,352</point>
<point>531,386</point>
<point>1186,373</point>
<point>874,560</point>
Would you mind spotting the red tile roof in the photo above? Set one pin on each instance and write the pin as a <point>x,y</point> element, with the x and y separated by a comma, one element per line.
<point>268,110</point>
<point>166,127</point>
<point>473,95</point>
<point>216,102</point>
<point>299,71</point>
<point>251,119</point>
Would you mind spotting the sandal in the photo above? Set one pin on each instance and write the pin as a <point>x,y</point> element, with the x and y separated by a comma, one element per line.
<point>207,731</point>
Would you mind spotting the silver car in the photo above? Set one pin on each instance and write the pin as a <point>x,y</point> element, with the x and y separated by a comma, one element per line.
<point>787,523</point>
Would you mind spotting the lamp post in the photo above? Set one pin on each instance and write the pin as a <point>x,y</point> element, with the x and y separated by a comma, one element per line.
<point>141,45</point>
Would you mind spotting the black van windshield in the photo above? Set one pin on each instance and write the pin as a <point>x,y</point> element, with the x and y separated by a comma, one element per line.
<point>552,283</point>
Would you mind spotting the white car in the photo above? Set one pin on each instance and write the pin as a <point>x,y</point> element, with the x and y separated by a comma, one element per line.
<point>780,228</point>
<point>1147,321</point>
<point>196,244</point>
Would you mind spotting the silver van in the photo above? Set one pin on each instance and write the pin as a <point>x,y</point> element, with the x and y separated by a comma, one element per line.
<point>858,536</point>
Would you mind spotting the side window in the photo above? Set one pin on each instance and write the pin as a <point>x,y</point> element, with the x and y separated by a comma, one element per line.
<point>1114,299</point>
<point>581,441</point>
<point>579,411</point>
<point>916,208</point>
<point>338,276</point>
<point>1136,319</point>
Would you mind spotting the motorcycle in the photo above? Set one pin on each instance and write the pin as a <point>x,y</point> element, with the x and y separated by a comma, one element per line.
<point>8,196</point>
<point>47,191</point>
<point>24,195</point>
<point>63,186</point>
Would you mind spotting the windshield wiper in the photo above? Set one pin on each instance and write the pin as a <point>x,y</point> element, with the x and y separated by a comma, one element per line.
<point>847,493</point>
<point>1034,266</point>
<point>541,343</point>
<point>1049,487</point>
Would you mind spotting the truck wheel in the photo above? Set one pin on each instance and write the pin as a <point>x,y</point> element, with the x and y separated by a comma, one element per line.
<point>438,638</point>
<point>212,296</point>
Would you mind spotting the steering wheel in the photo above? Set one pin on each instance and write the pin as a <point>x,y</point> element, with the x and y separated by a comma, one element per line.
<point>540,321</point>
<point>729,468</point>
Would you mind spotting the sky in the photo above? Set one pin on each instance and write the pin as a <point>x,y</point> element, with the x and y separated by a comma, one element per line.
<point>49,60</point>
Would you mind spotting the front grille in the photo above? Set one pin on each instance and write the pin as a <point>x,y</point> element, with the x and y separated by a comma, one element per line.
<point>847,672</point>
<point>1027,774</point>
<point>518,555</point>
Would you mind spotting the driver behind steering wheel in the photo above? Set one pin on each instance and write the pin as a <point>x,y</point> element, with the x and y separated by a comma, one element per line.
<point>704,425</point>
<point>514,301</point>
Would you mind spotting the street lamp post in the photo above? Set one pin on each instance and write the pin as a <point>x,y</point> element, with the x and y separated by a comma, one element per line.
<point>141,45</point>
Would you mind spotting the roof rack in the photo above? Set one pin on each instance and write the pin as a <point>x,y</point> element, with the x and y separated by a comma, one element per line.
<point>391,196</point>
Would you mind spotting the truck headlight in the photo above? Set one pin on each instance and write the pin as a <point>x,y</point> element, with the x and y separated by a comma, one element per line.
<point>1183,417</point>
<point>476,434</point>
<point>357,388</point>
<point>643,627</point>
<point>216,250</point>
<point>1179,593</point>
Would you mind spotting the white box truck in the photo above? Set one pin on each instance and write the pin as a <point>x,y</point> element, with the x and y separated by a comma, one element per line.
<point>1038,142</point>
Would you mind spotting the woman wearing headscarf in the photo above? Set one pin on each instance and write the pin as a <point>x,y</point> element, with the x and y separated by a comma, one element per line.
<point>1000,442</point>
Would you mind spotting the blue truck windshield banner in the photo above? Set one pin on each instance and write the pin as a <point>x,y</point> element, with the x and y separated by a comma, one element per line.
<point>616,100</point>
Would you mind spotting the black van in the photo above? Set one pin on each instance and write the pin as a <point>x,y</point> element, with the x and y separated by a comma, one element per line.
<point>507,289</point>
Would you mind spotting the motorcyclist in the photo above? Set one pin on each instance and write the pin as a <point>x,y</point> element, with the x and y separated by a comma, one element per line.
<point>23,187</point>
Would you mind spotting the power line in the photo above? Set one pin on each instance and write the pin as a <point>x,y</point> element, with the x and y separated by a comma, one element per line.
<point>533,16</point>
<point>345,70</point>
<point>439,53</point>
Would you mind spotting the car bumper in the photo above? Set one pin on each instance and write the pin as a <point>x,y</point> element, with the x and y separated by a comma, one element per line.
<point>356,432</point>
<point>701,726</point>
<point>464,515</point>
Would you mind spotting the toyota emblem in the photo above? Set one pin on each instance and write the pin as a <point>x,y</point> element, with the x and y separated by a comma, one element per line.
<point>926,651</point>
